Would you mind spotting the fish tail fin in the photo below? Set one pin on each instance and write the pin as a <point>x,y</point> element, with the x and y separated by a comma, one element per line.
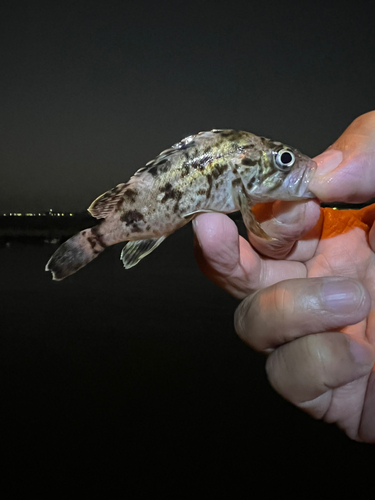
<point>75,253</point>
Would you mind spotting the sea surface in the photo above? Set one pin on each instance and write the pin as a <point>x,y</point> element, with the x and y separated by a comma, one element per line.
<point>139,372</point>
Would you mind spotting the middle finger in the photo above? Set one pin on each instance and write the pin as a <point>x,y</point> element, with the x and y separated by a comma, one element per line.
<point>293,308</point>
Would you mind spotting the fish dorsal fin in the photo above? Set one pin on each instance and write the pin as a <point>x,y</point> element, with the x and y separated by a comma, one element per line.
<point>106,203</point>
<point>134,251</point>
<point>162,162</point>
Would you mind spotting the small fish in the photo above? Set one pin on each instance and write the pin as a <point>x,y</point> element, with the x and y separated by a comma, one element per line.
<point>217,171</point>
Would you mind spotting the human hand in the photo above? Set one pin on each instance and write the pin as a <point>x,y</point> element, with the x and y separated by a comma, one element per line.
<point>315,360</point>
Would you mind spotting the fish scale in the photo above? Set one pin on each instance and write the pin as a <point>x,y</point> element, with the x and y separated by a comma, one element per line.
<point>222,170</point>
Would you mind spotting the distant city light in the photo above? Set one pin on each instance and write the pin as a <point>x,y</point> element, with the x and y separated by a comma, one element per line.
<point>39,214</point>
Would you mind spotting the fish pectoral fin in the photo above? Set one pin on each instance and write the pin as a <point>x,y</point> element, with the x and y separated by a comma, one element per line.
<point>253,225</point>
<point>134,251</point>
<point>106,203</point>
<point>248,217</point>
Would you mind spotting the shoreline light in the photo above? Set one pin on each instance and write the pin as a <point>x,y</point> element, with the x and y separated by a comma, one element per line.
<point>39,214</point>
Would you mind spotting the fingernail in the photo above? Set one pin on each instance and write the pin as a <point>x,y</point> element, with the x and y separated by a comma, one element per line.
<point>361,353</point>
<point>342,296</point>
<point>328,161</point>
<point>194,224</point>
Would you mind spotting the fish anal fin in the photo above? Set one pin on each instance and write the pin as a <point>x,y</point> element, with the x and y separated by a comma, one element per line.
<point>251,224</point>
<point>134,251</point>
<point>106,203</point>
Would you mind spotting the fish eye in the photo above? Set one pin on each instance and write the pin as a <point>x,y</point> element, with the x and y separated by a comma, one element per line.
<point>284,159</point>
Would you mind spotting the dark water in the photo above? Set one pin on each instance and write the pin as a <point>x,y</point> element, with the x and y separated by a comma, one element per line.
<point>139,374</point>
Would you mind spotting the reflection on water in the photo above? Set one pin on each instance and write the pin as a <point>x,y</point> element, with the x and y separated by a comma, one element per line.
<point>51,228</point>
<point>138,363</point>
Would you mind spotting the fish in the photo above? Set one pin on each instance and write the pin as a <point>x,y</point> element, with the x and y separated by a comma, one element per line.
<point>221,170</point>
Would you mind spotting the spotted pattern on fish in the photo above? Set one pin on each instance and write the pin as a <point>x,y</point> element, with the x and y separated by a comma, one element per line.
<point>223,170</point>
<point>130,195</point>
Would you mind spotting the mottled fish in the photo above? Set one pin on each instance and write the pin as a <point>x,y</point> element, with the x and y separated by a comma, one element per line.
<point>217,171</point>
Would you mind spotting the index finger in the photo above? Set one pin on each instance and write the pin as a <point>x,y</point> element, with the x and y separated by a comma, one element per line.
<point>229,261</point>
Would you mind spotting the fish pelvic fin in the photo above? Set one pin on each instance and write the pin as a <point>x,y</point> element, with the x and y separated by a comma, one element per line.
<point>75,253</point>
<point>134,251</point>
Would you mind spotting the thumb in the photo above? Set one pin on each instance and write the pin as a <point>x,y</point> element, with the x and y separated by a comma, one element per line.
<point>346,170</point>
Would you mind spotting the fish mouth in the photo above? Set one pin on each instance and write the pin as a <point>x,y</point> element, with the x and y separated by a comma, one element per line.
<point>303,187</point>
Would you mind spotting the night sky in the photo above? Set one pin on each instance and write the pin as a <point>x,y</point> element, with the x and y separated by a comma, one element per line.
<point>139,373</point>
<point>92,91</point>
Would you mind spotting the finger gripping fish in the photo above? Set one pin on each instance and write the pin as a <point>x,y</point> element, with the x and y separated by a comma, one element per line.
<point>217,171</point>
